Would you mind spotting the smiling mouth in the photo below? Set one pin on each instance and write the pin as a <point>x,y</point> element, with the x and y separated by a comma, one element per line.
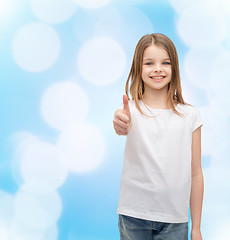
<point>157,78</point>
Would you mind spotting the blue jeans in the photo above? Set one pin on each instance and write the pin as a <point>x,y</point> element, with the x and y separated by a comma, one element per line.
<point>138,229</point>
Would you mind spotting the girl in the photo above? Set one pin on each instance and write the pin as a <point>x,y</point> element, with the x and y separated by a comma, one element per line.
<point>162,160</point>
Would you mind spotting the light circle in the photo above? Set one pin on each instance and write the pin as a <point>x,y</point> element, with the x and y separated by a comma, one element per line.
<point>37,211</point>
<point>198,64</point>
<point>224,6</point>
<point>134,24</point>
<point>40,165</point>
<point>219,74</point>
<point>81,147</point>
<point>200,26</point>
<point>53,11</point>
<point>218,90</point>
<point>180,5</point>
<point>99,22</point>
<point>51,233</point>
<point>21,231</point>
<point>6,211</point>
<point>36,47</point>
<point>213,137</point>
<point>101,61</point>
<point>6,7</point>
<point>4,233</point>
<point>92,3</point>
<point>64,104</point>
<point>22,141</point>
<point>27,237</point>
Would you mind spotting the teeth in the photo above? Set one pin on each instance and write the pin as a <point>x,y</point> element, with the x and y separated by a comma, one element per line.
<point>157,77</point>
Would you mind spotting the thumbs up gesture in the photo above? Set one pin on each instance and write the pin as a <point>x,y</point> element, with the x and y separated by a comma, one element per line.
<point>122,118</point>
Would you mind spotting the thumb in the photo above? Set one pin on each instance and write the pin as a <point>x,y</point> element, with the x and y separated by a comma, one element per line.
<point>126,106</point>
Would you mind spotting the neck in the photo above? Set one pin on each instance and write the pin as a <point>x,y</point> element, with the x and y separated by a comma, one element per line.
<point>156,99</point>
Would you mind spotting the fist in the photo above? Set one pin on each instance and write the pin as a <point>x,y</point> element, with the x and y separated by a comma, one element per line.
<point>122,118</point>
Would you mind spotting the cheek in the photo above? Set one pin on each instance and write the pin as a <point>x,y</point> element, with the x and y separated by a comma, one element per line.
<point>144,72</point>
<point>169,71</point>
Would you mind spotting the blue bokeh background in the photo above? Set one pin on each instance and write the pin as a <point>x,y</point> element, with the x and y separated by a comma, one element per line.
<point>87,193</point>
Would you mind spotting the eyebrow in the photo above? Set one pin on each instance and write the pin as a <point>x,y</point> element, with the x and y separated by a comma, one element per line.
<point>152,59</point>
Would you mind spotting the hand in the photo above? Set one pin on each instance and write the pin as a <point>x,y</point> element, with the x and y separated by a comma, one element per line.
<point>196,234</point>
<point>122,118</point>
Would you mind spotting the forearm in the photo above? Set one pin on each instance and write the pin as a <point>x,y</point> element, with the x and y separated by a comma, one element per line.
<point>196,199</point>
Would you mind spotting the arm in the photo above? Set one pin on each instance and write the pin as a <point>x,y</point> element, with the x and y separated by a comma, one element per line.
<point>197,187</point>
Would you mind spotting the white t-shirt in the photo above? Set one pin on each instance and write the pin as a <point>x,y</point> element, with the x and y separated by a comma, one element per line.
<point>156,176</point>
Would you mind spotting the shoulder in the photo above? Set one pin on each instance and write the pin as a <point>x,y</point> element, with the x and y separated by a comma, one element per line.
<point>193,115</point>
<point>187,109</point>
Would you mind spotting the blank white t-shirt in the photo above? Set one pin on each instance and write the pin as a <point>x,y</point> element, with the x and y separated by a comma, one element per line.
<point>156,176</point>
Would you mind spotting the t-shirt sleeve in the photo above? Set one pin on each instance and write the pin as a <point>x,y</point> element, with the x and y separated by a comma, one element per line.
<point>196,120</point>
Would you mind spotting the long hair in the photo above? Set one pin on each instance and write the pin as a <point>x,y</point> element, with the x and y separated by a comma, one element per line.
<point>137,89</point>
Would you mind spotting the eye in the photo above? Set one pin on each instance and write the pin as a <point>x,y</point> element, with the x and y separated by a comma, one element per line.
<point>166,63</point>
<point>148,63</point>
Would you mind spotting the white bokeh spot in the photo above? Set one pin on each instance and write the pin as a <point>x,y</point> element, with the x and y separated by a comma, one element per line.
<point>201,26</point>
<point>198,64</point>
<point>53,11</point>
<point>101,61</point>
<point>36,47</point>
<point>64,104</point>
<point>216,192</point>
<point>215,129</point>
<point>181,5</point>
<point>81,148</point>
<point>6,7</point>
<point>134,24</point>
<point>100,22</point>
<point>27,237</point>
<point>22,231</point>
<point>218,89</point>
<point>219,73</point>
<point>22,141</point>
<point>92,3</point>
<point>40,164</point>
<point>4,233</point>
<point>38,211</point>
<point>6,214</point>
<point>224,6</point>
<point>51,233</point>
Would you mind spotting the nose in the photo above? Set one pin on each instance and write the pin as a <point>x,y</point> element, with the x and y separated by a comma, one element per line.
<point>157,68</point>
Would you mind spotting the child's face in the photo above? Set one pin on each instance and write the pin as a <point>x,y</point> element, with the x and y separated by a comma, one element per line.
<point>156,68</point>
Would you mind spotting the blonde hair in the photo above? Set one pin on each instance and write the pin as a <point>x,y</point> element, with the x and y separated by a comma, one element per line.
<point>135,75</point>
